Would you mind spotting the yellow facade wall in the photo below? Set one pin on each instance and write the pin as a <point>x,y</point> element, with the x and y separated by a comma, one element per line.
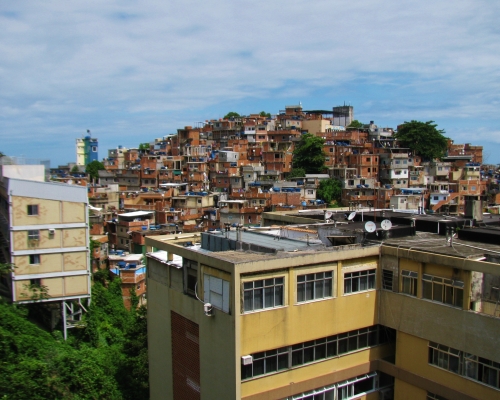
<point>73,212</point>
<point>54,286</point>
<point>403,390</point>
<point>412,354</point>
<point>75,285</point>
<point>300,322</point>
<point>75,261</point>
<point>74,237</point>
<point>48,211</point>
<point>48,263</point>
<point>311,371</point>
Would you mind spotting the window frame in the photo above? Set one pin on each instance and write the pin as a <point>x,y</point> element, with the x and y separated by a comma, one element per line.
<point>409,282</point>
<point>276,288</point>
<point>32,210</point>
<point>314,280</point>
<point>33,234</point>
<point>34,259</point>
<point>356,276</point>
<point>441,288</point>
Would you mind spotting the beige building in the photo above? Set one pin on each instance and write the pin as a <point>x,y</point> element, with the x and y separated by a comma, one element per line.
<point>44,233</point>
<point>243,315</point>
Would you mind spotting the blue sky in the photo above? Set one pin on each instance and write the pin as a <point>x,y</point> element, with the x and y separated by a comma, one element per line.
<point>133,71</point>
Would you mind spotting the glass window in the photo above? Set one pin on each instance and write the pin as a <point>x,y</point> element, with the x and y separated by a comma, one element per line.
<point>314,286</point>
<point>34,259</point>
<point>359,281</point>
<point>33,209</point>
<point>409,282</point>
<point>261,294</point>
<point>33,235</point>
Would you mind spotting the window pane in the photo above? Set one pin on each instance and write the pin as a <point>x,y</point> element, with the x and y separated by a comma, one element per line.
<point>247,303</point>
<point>309,290</point>
<point>258,299</point>
<point>328,288</point>
<point>309,355</point>
<point>427,290</point>
<point>363,283</point>
<point>320,352</point>
<point>271,364</point>
<point>318,288</point>
<point>347,286</point>
<point>459,297</point>
<point>297,358</point>
<point>331,349</point>
<point>301,296</point>
<point>448,295</point>
<point>437,294</point>
<point>246,371</point>
<point>371,281</point>
<point>353,343</point>
<point>258,367</point>
<point>453,364</point>
<point>282,361</point>
<point>342,346</point>
<point>278,296</point>
<point>363,340</point>
<point>269,297</point>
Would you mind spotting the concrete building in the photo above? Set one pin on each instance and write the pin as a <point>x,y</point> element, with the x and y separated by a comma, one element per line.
<point>87,150</point>
<point>243,315</point>
<point>44,233</point>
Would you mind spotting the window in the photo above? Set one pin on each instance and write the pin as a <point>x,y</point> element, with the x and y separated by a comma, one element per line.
<point>34,259</point>
<point>216,292</point>
<point>190,275</point>
<point>264,293</point>
<point>36,282</point>
<point>288,357</point>
<point>387,279</point>
<point>442,290</point>
<point>473,367</point>
<point>351,388</point>
<point>314,286</point>
<point>34,235</point>
<point>409,282</point>
<point>359,281</point>
<point>33,209</point>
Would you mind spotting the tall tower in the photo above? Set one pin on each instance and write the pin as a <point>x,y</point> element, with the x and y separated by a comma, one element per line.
<point>86,150</point>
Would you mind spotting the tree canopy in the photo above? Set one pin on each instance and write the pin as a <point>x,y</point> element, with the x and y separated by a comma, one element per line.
<point>309,154</point>
<point>93,168</point>
<point>297,173</point>
<point>355,124</point>
<point>264,114</point>
<point>423,138</point>
<point>232,114</point>
<point>329,190</point>
<point>105,358</point>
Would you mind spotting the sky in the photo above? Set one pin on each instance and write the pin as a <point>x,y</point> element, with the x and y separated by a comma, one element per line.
<point>132,71</point>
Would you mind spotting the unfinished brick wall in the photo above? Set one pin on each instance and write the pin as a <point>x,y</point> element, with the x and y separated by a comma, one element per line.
<point>185,358</point>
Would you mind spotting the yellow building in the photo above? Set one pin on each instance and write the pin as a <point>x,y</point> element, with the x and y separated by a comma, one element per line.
<point>279,323</point>
<point>44,233</point>
<point>247,316</point>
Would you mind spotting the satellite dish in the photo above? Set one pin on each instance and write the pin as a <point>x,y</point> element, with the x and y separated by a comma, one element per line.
<point>386,224</point>
<point>328,215</point>
<point>351,216</point>
<point>370,227</point>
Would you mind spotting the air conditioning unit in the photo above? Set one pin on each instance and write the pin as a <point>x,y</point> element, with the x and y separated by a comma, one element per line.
<point>52,231</point>
<point>247,360</point>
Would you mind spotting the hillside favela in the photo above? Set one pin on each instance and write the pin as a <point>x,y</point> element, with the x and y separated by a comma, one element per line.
<point>296,255</point>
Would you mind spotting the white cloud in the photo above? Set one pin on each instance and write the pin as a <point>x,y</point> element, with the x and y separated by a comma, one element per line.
<point>146,66</point>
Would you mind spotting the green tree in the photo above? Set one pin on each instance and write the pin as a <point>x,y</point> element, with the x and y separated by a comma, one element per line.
<point>264,114</point>
<point>309,154</point>
<point>75,169</point>
<point>297,173</point>
<point>329,190</point>
<point>423,138</point>
<point>144,147</point>
<point>232,114</point>
<point>355,124</point>
<point>92,169</point>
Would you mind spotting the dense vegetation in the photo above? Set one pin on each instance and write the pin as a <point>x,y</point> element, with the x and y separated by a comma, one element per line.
<point>423,138</point>
<point>309,155</point>
<point>105,359</point>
